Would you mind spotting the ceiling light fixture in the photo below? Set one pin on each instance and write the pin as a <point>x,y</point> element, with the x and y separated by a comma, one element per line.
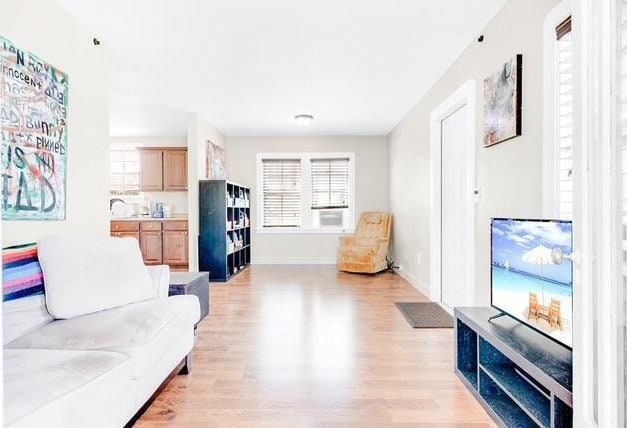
<point>303,120</point>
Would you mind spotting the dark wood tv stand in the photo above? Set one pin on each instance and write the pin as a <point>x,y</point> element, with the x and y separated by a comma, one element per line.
<point>522,378</point>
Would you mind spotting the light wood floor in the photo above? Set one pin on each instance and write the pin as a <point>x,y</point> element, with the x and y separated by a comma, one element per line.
<point>307,346</point>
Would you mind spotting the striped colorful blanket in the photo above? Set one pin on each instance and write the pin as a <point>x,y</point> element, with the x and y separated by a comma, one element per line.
<point>21,272</point>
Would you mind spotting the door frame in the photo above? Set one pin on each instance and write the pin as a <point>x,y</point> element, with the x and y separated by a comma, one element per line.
<point>464,95</point>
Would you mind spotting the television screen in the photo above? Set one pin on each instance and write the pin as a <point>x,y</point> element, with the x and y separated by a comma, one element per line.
<point>532,274</point>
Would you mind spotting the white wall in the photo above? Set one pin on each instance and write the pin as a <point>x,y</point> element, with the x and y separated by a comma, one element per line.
<point>509,175</point>
<point>371,191</point>
<point>47,30</point>
<point>198,132</point>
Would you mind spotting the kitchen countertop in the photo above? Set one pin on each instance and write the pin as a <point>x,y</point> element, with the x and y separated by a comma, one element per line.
<point>174,217</point>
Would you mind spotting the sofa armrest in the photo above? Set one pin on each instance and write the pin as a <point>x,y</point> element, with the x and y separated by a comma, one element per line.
<point>160,276</point>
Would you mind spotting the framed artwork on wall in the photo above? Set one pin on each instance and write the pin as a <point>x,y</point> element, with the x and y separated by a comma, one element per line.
<point>502,103</point>
<point>33,135</point>
<point>216,161</point>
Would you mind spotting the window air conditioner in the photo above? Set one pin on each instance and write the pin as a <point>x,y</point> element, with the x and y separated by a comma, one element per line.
<point>331,218</point>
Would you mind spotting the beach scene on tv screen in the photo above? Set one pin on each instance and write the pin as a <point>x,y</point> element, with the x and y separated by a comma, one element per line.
<point>532,274</point>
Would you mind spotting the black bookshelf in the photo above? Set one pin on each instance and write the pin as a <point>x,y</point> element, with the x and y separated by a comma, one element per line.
<point>224,244</point>
<point>522,378</point>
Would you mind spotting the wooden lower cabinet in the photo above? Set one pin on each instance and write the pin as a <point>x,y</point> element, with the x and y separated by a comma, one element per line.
<point>151,245</point>
<point>161,242</point>
<point>175,247</point>
<point>126,235</point>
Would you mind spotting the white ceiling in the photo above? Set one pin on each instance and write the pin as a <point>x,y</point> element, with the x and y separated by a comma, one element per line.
<point>250,66</point>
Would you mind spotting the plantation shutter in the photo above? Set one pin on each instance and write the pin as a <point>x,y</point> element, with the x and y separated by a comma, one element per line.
<point>281,192</point>
<point>564,110</point>
<point>329,183</point>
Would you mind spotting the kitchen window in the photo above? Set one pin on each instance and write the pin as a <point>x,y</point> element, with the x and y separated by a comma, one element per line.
<point>124,171</point>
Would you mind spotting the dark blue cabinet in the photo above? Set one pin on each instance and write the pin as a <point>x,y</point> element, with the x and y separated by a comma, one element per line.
<point>224,241</point>
<point>522,378</point>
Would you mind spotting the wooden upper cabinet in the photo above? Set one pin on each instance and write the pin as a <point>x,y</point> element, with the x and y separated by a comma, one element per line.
<point>175,169</point>
<point>163,169</point>
<point>151,170</point>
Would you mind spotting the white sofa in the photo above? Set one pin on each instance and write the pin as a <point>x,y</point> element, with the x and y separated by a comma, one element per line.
<point>96,369</point>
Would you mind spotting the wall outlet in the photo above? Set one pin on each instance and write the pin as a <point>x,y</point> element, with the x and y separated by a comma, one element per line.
<point>399,267</point>
<point>419,259</point>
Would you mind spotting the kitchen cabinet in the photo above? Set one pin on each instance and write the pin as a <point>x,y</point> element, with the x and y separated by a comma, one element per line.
<point>160,241</point>
<point>163,169</point>
<point>124,226</point>
<point>151,245</point>
<point>151,170</point>
<point>174,170</point>
<point>126,235</point>
<point>175,247</point>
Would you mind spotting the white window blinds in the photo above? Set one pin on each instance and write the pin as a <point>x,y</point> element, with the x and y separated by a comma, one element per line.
<point>281,192</point>
<point>330,183</point>
<point>124,172</point>
<point>564,110</point>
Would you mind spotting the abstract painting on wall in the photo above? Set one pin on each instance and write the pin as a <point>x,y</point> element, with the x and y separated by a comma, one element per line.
<point>502,102</point>
<point>216,162</point>
<point>33,134</point>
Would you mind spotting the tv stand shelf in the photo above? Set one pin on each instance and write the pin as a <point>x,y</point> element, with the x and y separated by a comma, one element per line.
<point>522,378</point>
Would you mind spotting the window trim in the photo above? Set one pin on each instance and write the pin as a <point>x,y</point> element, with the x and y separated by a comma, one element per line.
<point>550,149</point>
<point>306,211</point>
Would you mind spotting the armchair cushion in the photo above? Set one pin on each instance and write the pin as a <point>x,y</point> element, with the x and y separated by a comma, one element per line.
<point>357,254</point>
<point>86,275</point>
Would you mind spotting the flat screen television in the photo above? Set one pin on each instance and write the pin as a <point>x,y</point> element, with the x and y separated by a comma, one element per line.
<point>532,274</point>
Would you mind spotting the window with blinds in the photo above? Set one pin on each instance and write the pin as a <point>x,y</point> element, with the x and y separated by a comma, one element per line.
<point>124,172</point>
<point>564,120</point>
<point>330,183</point>
<point>281,187</point>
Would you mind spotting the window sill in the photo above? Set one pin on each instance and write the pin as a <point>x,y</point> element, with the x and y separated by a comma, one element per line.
<point>298,231</point>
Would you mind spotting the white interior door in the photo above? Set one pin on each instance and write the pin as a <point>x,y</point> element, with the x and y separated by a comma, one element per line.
<point>454,141</point>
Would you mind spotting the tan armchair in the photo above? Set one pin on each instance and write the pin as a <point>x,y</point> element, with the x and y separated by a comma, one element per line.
<point>366,250</point>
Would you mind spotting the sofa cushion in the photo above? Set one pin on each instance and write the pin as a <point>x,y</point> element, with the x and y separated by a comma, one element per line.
<point>140,330</point>
<point>35,379</point>
<point>86,275</point>
<point>21,316</point>
<point>21,272</point>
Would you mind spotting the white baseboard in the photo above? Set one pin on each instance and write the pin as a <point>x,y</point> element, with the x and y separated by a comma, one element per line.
<point>415,282</point>
<point>293,261</point>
